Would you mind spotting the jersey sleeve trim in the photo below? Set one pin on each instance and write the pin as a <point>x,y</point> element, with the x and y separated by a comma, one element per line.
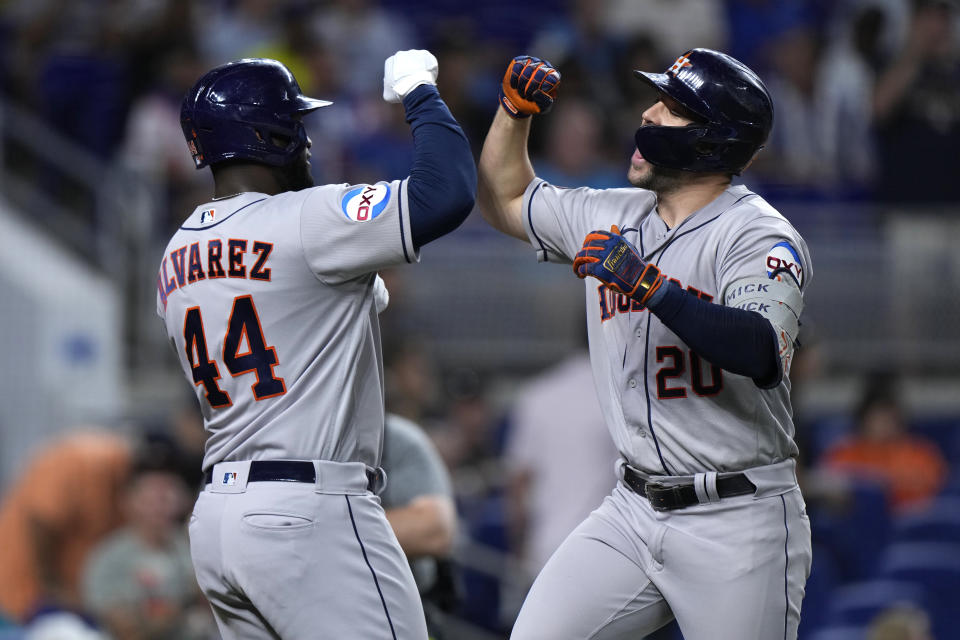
<point>532,188</point>
<point>406,232</point>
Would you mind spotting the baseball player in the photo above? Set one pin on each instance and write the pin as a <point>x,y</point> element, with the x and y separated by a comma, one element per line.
<point>693,300</point>
<point>268,296</point>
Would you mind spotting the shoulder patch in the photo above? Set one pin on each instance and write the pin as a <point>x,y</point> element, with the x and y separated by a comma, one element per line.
<point>784,258</point>
<point>365,203</point>
<point>208,215</point>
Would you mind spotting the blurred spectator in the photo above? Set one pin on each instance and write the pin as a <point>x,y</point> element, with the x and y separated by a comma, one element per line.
<point>70,61</point>
<point>900,623</point>
<point>317,71</point>
<point>577,42</point>
<point>917,110</point>
<point>465,435</point>
<point>410,379</point>
<point>845,88</point>
<point>465,89</point>
<point>232,30</point>
<point>675,25</point>
<point>881,448</point>
<point>793,155</point>
<point>639,52</point>
<point>418,501</point>
<point>574,153</point>
<point>64,502</point>
<point>183,427</point>
<point>139,582</point>
<point>362,34</point>
<point>557,445</point>
<point>753,24</point>
<point>381,147</point>
<point>154,147</point>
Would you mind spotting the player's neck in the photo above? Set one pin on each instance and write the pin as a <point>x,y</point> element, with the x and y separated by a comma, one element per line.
<point>679,204</point>
<point>243,178</point>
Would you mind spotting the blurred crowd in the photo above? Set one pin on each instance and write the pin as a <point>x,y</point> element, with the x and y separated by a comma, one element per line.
<point>866,91</point>
<point>93,538</point>
<point>867,97</point>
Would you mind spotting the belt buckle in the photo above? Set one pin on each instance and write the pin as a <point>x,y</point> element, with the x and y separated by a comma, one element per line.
<point>657,493</point>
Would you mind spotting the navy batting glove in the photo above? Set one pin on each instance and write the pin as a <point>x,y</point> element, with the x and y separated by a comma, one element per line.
<point>529,86</point>
<point>616,263</point>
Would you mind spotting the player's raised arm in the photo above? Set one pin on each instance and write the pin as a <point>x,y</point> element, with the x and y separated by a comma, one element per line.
<point>529,87</point>
<point>443,180</point>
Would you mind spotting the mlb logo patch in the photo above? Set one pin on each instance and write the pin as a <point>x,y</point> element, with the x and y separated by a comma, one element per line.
<point>229,478</point>
<point>208,215</point>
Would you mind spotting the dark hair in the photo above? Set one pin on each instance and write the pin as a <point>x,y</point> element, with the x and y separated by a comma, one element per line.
<point>880,390</point>
<point>158,452</point>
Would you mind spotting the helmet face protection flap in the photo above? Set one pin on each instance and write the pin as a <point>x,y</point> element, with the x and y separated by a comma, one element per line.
<point>733,109</point>
<point>249,110</point>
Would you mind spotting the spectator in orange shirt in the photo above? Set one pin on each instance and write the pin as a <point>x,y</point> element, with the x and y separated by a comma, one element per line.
<point>881,448</point>
<point>65,501</point>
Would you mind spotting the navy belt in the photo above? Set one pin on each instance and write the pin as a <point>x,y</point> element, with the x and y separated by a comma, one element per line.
<point>669,497</point>
<point>286,471</point>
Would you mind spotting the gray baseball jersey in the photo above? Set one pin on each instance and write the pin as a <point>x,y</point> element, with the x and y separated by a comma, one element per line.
<point>269,303</point>
<point>669,411</point>
<point>726,569</point>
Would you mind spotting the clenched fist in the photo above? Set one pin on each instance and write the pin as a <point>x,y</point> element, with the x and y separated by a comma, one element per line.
<point>529,86</point>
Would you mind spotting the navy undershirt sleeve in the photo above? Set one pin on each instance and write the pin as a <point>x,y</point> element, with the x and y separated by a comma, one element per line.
<point>443,179</point>
<point>739,341</point>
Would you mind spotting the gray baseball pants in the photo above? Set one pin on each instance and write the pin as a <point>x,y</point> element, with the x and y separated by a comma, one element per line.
<point>728,570</point>
<point>298,561</point>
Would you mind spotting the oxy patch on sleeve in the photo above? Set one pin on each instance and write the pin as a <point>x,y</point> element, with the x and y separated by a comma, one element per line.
<point>366,202</point>
<point>783,258</point>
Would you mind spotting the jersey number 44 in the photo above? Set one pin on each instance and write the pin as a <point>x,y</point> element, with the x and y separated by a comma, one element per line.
<point>243,327</point>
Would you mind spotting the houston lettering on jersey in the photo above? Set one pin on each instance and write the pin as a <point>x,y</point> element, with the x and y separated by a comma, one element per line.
<point>612,303</point>
<point>219,259</point>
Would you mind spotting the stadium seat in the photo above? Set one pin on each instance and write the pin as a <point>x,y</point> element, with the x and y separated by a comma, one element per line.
<point>860,602</point>
<point>824,576</point>
<point>825,431</point>
<point>952,488</point>
<point>935,566</point>
<point>939,521</point>
<point>858,535</point>
<point>944,431</point>
<point>836,633</point>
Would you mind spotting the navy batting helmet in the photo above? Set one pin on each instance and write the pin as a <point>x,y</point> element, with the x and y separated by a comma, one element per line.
<point>249,109</point>
<point>733,112</point>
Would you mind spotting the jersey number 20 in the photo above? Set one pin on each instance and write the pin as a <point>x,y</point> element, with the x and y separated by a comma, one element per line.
<point>677,369</point>
<point>259,358</point>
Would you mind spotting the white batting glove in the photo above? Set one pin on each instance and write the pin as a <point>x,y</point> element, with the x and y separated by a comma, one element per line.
<point>404,71</point>
<point>381,296</point>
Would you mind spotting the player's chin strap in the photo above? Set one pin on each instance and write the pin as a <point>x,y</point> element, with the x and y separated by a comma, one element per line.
<point>778,299</point>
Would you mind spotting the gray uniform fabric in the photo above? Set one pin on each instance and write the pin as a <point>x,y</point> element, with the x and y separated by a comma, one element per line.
<point>705,420</point>
<point>674,417</point>
<point>270,304</point>
<point>293,560</point>
<point>315,304</point>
